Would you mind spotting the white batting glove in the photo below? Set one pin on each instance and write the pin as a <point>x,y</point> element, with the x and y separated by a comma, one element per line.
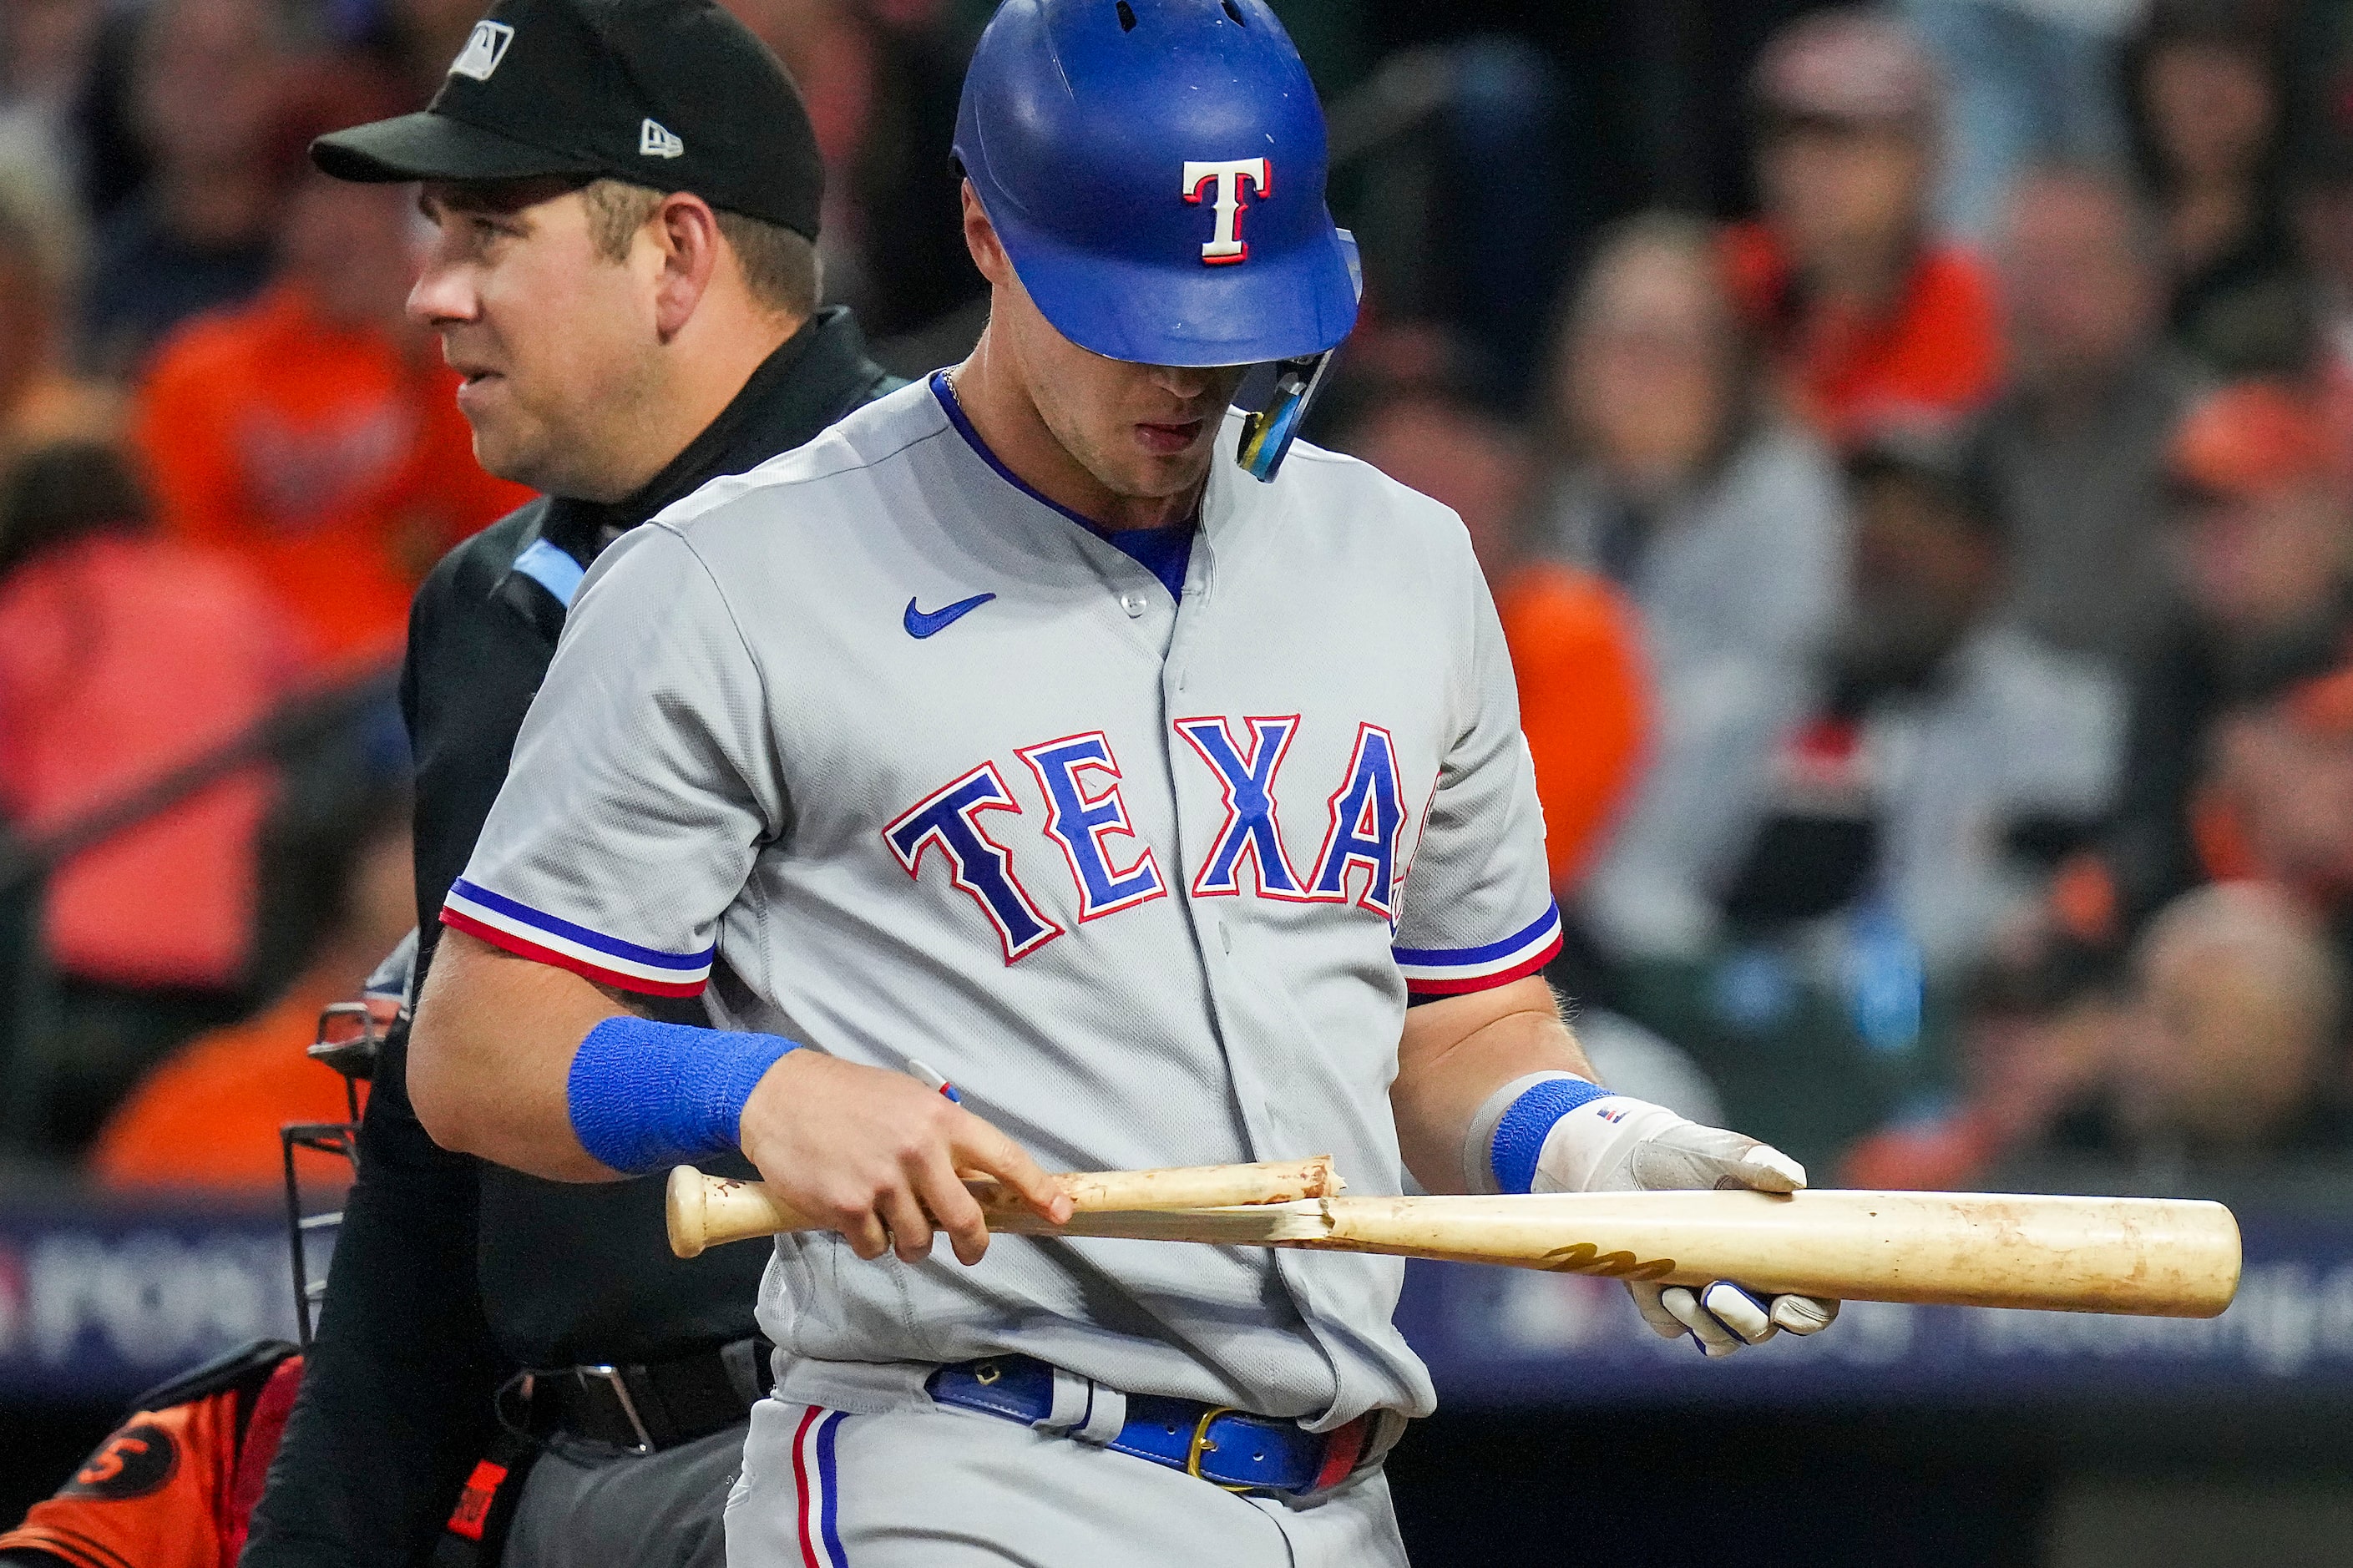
<point>1621,1145</point>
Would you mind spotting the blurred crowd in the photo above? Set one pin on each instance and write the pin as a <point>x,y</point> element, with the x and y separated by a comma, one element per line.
<point>1930,589</point>
<point>1916,483</point>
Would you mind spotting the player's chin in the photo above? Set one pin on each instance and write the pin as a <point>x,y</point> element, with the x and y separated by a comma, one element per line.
<point>1166,472</point>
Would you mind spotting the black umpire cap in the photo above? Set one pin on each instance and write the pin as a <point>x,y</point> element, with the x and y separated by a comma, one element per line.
<point>672,94</point>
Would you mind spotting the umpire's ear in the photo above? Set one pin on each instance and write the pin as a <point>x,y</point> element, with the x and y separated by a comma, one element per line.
<point>684,234</point>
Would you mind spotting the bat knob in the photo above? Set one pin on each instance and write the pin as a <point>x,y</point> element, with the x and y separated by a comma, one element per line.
<point>685,1208</point>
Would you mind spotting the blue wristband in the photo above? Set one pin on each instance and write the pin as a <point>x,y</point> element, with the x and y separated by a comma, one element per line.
<point>1520,1136</point>
<point>645,1096</point>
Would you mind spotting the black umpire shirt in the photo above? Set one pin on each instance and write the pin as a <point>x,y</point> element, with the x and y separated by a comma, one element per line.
<point>451,1272</point>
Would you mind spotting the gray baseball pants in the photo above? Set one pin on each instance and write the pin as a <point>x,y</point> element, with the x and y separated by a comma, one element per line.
<point>931,1485</point>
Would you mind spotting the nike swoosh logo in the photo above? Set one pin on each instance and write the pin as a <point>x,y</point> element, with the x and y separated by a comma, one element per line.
<point>925,623</point>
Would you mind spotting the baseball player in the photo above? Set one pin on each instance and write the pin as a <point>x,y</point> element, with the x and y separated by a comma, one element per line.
<point>1014,728</point>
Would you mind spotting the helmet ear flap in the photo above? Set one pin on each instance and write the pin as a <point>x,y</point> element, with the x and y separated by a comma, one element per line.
<point>1273,396</point>
<point>1282,391</point>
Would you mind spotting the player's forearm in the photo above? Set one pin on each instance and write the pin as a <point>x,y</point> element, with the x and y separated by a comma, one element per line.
<point>491,1056</point>
<point>1456,1053</point>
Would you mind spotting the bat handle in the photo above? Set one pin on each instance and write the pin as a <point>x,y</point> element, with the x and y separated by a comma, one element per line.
<point>703,1211</point>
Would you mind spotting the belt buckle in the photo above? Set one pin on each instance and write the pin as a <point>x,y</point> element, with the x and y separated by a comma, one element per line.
<point>1201,1444</point>
<point>611,1375</point>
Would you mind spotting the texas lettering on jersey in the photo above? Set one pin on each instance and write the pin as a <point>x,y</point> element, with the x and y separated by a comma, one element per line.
<point>1078,779</point>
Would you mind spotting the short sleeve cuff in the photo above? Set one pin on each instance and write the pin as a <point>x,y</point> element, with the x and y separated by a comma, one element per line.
<point>1455,970</point>
<point>527,933</point>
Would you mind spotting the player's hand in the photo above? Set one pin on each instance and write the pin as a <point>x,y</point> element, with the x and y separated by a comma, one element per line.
<point>875,1154</point>
<point>1621,1146</point>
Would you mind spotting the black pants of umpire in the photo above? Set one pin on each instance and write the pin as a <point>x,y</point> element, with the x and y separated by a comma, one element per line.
<point>589,1506</point>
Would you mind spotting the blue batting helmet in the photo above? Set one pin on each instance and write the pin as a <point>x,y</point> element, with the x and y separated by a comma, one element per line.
<point>1155,170</point>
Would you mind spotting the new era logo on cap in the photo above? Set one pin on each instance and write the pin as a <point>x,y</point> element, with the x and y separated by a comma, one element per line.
<point>657,141</point>
<point>484,51</point>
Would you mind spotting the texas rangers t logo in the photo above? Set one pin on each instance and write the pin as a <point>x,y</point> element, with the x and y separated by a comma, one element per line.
<point>1227,245</point>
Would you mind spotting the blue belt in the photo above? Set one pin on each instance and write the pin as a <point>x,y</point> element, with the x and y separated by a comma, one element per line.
<point>1225,1446</point>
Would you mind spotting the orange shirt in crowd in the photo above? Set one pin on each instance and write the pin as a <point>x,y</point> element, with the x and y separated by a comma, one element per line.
<point>1939,349</point>
<point>1585,703</point>
<point>121,657</point>
<point>333,458</point>
<point>207,1116</point>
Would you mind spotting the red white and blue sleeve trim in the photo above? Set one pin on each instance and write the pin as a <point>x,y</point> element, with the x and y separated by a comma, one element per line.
<point>1455,970</point>
<point>533,933</point>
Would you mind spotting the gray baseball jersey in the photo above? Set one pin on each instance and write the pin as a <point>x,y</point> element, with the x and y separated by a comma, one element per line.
<point>912,764</point>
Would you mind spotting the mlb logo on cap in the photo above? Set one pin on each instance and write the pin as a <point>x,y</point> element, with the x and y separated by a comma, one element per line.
<point>674,95</point>
<point>484,51</point>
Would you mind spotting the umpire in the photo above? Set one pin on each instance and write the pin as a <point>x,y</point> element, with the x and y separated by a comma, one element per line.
<point>624,195</point>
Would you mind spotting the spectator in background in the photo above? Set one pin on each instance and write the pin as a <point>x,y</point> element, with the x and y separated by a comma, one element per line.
<point>2226,1042</point>
<point>1573,637</point>
<point>208,1115</point>
<point>123,656</point>
<point>1670,475</point>
<point>2031,82</point>
<point>2234,1048</point>
<point>1865,311</point>
<point>1947,732</point>
<point>41,400</point>
<point>205,78</point>
<point>2037,1037</point>
<point>2262,526</point>
<point>2208,106</point>
<point>2077,442</point>
<point>315,431</point>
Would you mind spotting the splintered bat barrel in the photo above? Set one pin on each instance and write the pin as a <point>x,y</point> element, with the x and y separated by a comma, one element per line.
<point>2155,1256</point>
<point>2152,1256</point>
<point>704,1211</point>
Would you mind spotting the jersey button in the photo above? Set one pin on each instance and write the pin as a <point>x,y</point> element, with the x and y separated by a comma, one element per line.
<point>1132,602</point>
